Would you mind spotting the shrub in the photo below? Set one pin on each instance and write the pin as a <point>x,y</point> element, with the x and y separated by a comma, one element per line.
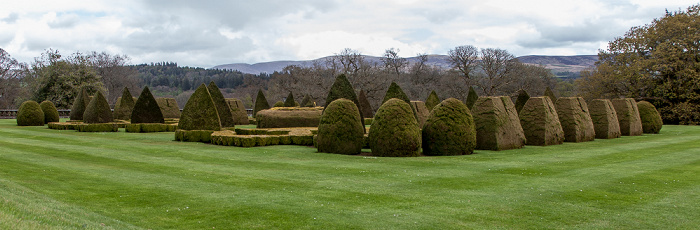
<point>98,110</point>
<point>497,124</point>
<point>521,100</point>
<point>342,88</point>
<point>260,103</point>
<point>364,106</point>
<point>628,116</point>
<point>199,112</point>
<point>193,135</point>
<point>420,112</point>
<point>449,130</point>
<point>168,107</point>
<point>238,111</point>
<point>284,117</point>
<point>604,119</point>
<point>50,112</point>
<point>548,93</point>
<point>125,104</point>
<point>471,98</point>
<point>149,128</point>
<point>278,104</point>
<point>30,114</point>
<point>395,91</point>
<point>540,122</point>
<point>146,109</point>
<point>432,100</point>
<point>306,102</point>
<point>575,119</point>
<point>340,130</point>
<point>221,107</point>
<point>650,117</point>
<point>289,102</point>
<point>79,104</point>
<point>395,132</point>
<point>98,127</point>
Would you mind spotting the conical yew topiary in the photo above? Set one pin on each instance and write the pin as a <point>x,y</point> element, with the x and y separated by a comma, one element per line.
<point>497,124</point>
<point>521,100</point>
<point>395,131</point>
<point>364,105</point>
<point>289,102</point>
<point>540,122</point>
<point>471,98</point>
<point>342,88</point>
<point>221,106</point>
<point>432,100</point>
<point>80,102</point>
<point>340,129</point>
<point>238,111</point>
<point>575,119</point>
<point>168,107</point>
<point>548,93</point>
<point>200,112</point>
<point>306,102</point>
<point>395,91</point>
<point>449,130</point>
<point>125,105</point>
<point>98,110</point>
<point>651,119</point>
<point>604,119</point>
<point>146,109</point>
<point>30,114</point>
<point>50,112</point>
<point>628,116</point>
<point>260,103</point>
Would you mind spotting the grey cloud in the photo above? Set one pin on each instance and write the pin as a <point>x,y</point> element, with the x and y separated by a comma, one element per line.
<point>12,18</point>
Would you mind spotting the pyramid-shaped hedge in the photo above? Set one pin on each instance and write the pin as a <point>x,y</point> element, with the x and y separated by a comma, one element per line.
<point>432,100</point>
<point>449,130</point>
<point>124,106</point>
<point>168,107</point>
<point>651,119</point>
<point>364,106</point>
<point>497,124</point>
<point>30,114</point>
<point>575,119</point>
<point>540,122</point>
<point>628,116</point>
<point>50,112</point>
<point>395,91</point>
<point>98,110</point>
<point>340,129</point>
<point>549,93</point>
<point>420,112</point>
<point>307,102</point>
<point>260,103</point>
<point>395,131</point>
<point>238,111</point>
<point>521,100</point>
<point>146,109</point>
<point>604,119</point>
<point>342,88</point>
<point>79,104</point>
<point>200,112</point>
<point>221,106</point>
<point>289,102</point>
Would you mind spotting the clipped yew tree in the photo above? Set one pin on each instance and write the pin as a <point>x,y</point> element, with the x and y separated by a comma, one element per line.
<point>540,122</point>
<point>575,119</point>
<point>30,114</point>
<point>200,112</point>
<point>651,119</point>
<point>50,112</point>
<point>449,130</point>
<point>471,98</point>
<point>395,91</point>
<point>395,131</point>
<point>289,102</point>
<point>420,112</point>
<point>98,110</point>
<point>549,93</point>
<point>432,100</point>
<point>342,88</point>
<point>340,129</point>
<point>79,104</point>
<point>221,106</point>
<point>260,103</point>
<point>497,124</point>
<point>628,116</point>
<point>364,105</point>
<point>604,119</point>
<point>168,107</point>
<point>521,100</point>
<point>306,102</point>
<point>278,104</point>
<point>125,104</point>
<point>238,111</point>
<point>146,109</point>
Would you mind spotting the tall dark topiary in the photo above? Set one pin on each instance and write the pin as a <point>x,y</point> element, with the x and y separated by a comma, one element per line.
<point>50,112</point>
<point>342,88</point>
<point>79,104</point>
<point>306,102</point>
<point>146,109</point>
<point>523,96</point>
<point>432,100</point>
<point>125,106</point>
<point>471,98</point>
<point>289,102</point>
<point>548,92</point>
<point>98,110</point>
<point>221,106</point>
<point>651,119</point>
<point>364,105</point>
<point>395,131</point>
<point>395,91</point>
<point>340,129</point>
<point>260,103</point>
<point>449,130</point>
<point>200,112</point>
<point>30,114</point>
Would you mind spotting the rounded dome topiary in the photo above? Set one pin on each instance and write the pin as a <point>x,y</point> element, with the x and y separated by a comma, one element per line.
<point>449,130</point>
<point>200,112</point>
<point>125,105</point>
<point>432,100</point>
<point>98,110</point>
<point>278,104</point>
<point>651,119</point>
<point>80,102</point>
<point>395,132</point>
<point>340,129</point>
<point>50,112</point>
<point>146,109</point>
<point>30,114</point>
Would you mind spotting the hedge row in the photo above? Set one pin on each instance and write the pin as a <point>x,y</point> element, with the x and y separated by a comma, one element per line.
<point>260,140</point>
<point>98,127</point>
<point>260,132</point>
<point>150,128</point>
<point>193,135</point>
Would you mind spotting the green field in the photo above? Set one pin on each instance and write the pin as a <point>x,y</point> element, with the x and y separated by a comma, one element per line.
<point>52,179</point>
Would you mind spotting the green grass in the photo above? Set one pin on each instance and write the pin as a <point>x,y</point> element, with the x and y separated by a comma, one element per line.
<point>52,179</point>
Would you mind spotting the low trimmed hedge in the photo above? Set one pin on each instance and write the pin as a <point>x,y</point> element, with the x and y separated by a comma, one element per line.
<point>193,135</point>
<point>260,140</point>
<point>260,132</point>
<point>285,117</point>
<point>150,128</point>
<point>98,127</point>
<point>64,125</point>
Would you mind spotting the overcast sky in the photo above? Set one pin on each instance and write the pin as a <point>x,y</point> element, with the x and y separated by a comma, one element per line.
<point>209,33</point>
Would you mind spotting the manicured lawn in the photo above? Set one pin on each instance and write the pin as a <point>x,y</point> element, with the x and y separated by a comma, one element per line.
<point>65,179</point>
